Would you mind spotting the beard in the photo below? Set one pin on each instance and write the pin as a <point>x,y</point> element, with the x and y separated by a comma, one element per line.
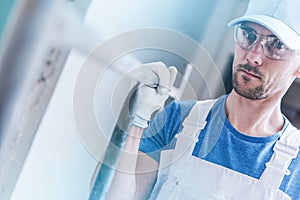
<point>241,88</point>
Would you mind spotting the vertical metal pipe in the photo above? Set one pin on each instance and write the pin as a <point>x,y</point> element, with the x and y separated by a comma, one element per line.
<point>108,167</point>
<point>113,152</point>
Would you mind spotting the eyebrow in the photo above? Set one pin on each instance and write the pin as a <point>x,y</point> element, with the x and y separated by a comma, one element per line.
<point>246,26</point>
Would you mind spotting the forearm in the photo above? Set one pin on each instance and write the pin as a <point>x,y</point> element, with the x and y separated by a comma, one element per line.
<point>123,185</point>
<point>150,97</point>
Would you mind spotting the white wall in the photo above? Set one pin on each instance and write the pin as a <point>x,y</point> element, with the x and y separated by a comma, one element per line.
<point>57,167</point>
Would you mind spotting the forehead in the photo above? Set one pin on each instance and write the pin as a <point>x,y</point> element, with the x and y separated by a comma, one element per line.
<point>259,28</point>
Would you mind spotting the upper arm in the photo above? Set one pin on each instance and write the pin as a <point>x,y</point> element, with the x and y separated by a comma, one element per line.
<point>146,173</point>
<point>160,135</point>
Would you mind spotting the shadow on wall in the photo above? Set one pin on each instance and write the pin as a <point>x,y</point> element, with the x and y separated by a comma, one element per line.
<point>290,104</point>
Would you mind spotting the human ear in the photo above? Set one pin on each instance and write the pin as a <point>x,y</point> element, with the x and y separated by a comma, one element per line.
<point>297,73</point>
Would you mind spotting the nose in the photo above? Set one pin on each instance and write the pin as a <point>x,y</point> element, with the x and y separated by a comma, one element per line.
<point>255,54</point>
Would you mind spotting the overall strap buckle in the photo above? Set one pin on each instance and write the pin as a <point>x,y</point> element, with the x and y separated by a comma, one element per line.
<point>283,155</point>
<point>285,150</point>
<point>192,125</point>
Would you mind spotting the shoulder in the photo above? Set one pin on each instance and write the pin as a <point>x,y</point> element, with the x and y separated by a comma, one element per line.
<point>181,109</point>
<point>173,115</point>
<point>163,128</point>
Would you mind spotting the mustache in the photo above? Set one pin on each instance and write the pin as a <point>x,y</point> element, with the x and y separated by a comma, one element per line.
<point>249,68</point>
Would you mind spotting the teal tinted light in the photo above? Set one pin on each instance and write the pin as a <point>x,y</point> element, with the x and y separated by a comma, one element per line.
<point>5,8</point>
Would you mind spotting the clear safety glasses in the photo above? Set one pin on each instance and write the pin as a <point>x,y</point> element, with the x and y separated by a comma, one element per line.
<point>273,48</point>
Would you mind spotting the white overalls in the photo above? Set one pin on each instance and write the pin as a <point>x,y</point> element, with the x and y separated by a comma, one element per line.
<point>183,176</point>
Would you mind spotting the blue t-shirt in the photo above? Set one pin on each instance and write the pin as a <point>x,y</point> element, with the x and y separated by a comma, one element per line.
<point>219,143</point>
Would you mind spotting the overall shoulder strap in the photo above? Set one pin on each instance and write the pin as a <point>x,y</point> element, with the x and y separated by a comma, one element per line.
<point>192,125</point>
<point>285,150</point>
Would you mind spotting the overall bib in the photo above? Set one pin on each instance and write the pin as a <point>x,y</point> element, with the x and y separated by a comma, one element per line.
<point>183,176</point>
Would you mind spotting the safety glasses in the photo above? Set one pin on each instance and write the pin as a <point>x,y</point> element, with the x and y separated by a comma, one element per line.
<point>273,48</point>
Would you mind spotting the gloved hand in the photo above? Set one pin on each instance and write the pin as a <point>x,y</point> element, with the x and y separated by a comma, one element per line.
<point>152,94</point>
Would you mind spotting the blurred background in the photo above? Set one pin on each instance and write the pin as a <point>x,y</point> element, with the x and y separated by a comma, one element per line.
<point>43,46</point>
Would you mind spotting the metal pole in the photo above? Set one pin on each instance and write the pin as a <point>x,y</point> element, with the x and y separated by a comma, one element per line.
<point>112,155</point>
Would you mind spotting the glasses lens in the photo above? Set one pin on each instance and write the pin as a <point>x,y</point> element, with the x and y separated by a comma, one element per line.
<point>277,50</point>
<point>247,37</point>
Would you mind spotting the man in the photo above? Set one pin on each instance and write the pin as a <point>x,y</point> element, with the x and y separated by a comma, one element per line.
<point>245,148</point>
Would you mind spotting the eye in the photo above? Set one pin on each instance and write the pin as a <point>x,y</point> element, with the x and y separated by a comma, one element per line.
<point>250,35</point>
<point>276,47</point>
<point>279,45</point>
<point>276,43</point>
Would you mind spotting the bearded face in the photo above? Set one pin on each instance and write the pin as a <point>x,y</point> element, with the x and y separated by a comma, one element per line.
<point>248,82</point>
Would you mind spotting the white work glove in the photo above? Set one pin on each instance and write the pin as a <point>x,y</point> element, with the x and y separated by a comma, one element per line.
<point>151,96</point>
